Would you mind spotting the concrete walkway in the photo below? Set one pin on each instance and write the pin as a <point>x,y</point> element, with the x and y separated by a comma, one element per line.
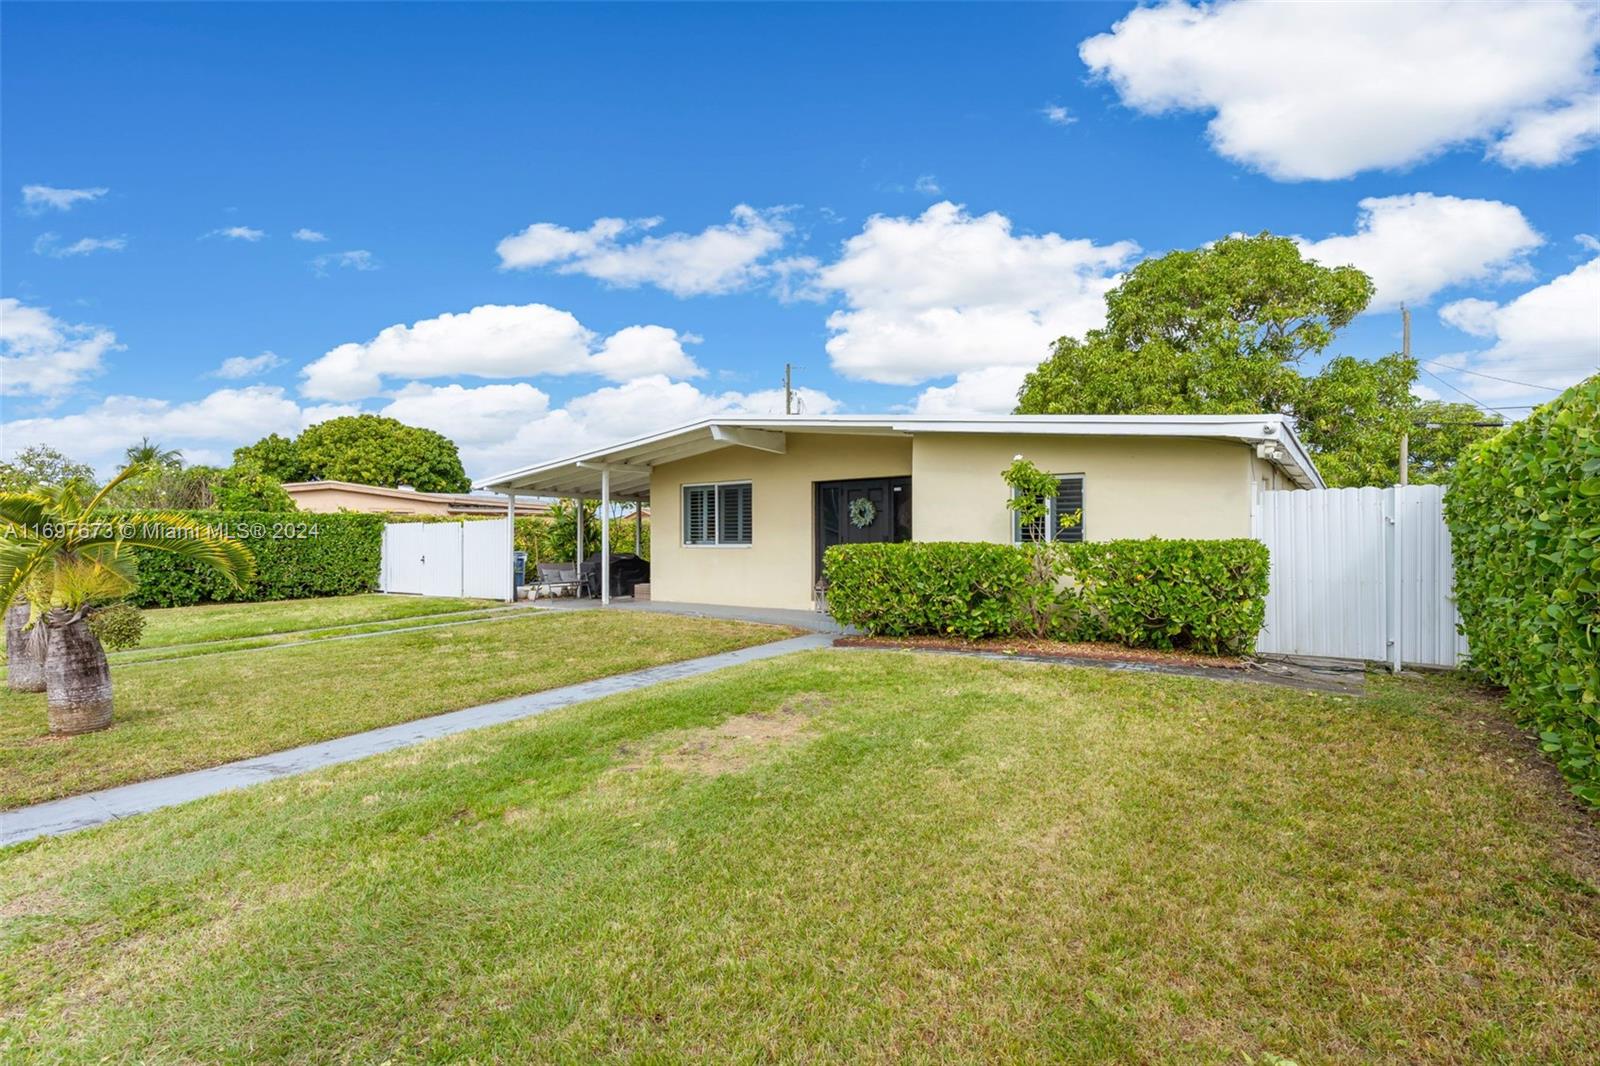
<point>816,621</point>
<point>96,808</point>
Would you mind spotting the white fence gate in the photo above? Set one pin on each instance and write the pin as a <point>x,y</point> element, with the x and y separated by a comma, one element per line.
<point>1360,574</point>
<point>448,558</point>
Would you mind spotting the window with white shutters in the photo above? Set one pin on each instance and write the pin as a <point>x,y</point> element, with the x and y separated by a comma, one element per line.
<point>719,514</point>
<point>1063,518</point>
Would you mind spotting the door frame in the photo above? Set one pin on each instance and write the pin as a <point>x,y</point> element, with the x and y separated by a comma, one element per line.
<point>894,482</point>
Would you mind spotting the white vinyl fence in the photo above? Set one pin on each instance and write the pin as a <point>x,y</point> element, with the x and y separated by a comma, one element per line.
<point>1360,574</point>
<point>448,558</point>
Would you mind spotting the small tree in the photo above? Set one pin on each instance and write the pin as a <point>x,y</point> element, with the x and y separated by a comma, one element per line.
<point>42,465</point>
<point>67,564</point>
<point>1049,606</point>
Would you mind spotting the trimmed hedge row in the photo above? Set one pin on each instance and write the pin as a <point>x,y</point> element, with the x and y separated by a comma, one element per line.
<point>1205,595</point>
<point>1524,516</point>
<point>298,555</point>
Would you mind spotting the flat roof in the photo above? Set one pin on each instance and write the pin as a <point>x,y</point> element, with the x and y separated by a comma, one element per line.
<point>459,498</point>
<point>630,461</point>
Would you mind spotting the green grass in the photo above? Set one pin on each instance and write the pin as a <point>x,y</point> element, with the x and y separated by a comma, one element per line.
<point>144,654</point>
<point>230,621</point>
<point>847,856</point>
<point>201,711</point>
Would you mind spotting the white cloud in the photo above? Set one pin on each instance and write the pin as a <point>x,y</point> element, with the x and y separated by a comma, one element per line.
<point>212,424</point>
<point>492,341</point>
<point>1471,315</point>
<point>718,259</point>
<point>1322,91</point>
<point>948,292</point>
<point>310,235</point>
<point>243,366</point>
<point>237,233</point>
<point>991,391</point>
<point>927,185</point>
<point>42,356</point>
<point>1057,115</point>
<point>39,198</point>
<point>50,244</point>
<point>1413,246</point>
<point>635,351</point>
<point>1545,138</point>
<point>1549,336</point>
<point>360,259</point>
<point>472,417</point>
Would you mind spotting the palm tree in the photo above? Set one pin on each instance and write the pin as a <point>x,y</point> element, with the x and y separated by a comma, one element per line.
<point>147,453</point>
<point>65,563</point>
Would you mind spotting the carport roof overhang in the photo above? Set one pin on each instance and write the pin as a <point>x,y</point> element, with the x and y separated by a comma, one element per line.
<point>630,462</point>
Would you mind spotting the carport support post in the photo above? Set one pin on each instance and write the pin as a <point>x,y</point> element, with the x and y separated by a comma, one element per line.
<point>638,528</point>
<point>578,531</point>
<point>511,547</point>
<point>605,535</point>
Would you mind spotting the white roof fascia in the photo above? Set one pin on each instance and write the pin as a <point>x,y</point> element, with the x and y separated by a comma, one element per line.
<point>641,453</point>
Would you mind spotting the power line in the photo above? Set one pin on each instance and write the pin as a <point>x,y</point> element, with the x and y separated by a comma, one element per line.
<point>1473,399</point>
<point>1491,377</point>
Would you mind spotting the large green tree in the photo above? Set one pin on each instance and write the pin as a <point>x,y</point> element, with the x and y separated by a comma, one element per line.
<point>275,455</point>
<point>1224,329</point>
<point>368,449</point>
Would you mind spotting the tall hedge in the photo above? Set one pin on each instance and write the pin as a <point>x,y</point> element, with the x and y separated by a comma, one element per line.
<point>1205,595</point>
<point>1524,516</point>
<point>297,556</point>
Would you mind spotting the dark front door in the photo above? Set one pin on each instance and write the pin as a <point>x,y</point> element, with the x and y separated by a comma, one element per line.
<point>862,511</point>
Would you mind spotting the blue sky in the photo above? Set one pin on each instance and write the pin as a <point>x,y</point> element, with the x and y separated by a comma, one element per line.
<point>907,201</point>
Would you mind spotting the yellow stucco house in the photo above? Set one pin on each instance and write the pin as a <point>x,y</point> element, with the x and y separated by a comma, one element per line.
<point>743,507</point>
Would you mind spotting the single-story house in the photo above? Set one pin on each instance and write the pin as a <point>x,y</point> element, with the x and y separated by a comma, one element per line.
<point>325,497</point>
<point>753,502</point>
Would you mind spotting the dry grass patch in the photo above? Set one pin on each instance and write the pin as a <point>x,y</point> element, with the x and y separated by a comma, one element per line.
<point>735,744</point>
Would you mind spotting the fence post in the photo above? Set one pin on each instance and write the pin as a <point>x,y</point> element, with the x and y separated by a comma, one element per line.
<point>1394,581</point>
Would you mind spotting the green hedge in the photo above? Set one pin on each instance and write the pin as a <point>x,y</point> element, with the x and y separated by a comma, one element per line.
<point>297,556</point>
<point>1205,595</point>
<point>1524,516</point>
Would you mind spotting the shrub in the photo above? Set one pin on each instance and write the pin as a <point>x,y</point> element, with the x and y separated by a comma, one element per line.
<point>1524,517</point>
<point>1208,595</point>
<point>118,625</point>
<point>297,556</point>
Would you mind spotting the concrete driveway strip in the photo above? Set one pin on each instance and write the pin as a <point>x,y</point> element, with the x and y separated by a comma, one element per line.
<point>96,808</point>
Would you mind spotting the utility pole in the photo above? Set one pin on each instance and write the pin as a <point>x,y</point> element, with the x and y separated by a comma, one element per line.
<point>788,388</point>
<point>1405,436</point>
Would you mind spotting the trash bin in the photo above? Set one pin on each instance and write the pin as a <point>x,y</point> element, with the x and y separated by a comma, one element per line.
<point>519,566</point>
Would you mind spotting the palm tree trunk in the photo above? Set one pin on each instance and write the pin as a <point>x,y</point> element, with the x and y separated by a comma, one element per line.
<point>77,676</point>
<point>24,651</point>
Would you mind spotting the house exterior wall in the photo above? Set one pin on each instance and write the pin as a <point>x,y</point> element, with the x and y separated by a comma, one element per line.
<point>1133,487</point>
<point>775,569</point>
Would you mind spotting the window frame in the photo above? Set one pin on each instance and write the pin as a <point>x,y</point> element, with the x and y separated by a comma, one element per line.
<point>715,488</point>
<point>1053,532</point>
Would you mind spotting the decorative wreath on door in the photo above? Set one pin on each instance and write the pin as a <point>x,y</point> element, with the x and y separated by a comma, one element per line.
<point>862,512</point>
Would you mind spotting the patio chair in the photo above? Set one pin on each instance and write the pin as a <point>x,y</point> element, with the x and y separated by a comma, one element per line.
<point>553,577</point>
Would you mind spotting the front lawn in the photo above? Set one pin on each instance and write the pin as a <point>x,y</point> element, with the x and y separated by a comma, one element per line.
<point>230,621</point>
<point>861,856</point>
<point>189,713</point>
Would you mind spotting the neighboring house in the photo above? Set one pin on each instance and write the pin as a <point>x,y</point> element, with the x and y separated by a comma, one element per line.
<point>753,502</point>
<point>327,496</point>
